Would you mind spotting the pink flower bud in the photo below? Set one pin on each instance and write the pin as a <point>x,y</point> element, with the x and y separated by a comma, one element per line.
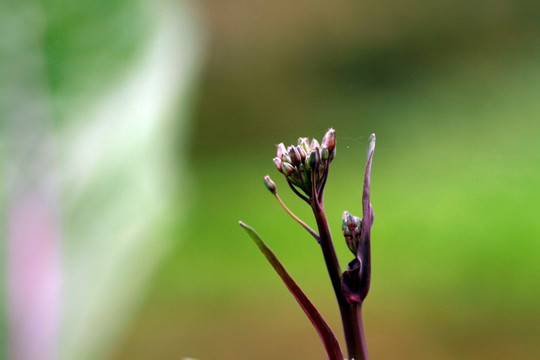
<point>281,150</point>
<point>270,185</point>
<point>302,152</point>
<point>329,139</point>
<point>351,222</point>
<point>296,159</point>
<point>277,161</point>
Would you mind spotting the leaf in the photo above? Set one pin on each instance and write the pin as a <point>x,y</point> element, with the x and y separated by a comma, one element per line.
<point>364,247</point>
<point>367,213</point>
<point>356,280</point>
<point>328,338</point>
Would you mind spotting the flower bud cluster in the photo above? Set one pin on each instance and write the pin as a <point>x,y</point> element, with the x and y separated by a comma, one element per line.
<point>305,166</point>
<point>352,228</point>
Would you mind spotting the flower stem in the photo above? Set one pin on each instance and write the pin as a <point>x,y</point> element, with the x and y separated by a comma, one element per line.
<point>353,329</point>
<point>351,315</point>
<point>296,218</point>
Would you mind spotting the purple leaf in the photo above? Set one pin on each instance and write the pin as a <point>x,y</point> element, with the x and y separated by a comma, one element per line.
<point>356,280</point>
<point>328,338</point>
<point>364,248</point>
<point>351,282</point>
<point>367,212</point>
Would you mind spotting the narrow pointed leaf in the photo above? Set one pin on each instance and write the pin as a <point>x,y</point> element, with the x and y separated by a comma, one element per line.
<point>328,338</point>
<point>367,210</point>
<point>364,248</point>
<point>367,214</point>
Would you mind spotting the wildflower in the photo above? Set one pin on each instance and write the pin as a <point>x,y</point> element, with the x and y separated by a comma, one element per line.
<point>306,165</point>
<point>305,168</point>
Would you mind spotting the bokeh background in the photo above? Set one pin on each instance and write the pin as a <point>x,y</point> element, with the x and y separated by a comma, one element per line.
<point>452,91</point>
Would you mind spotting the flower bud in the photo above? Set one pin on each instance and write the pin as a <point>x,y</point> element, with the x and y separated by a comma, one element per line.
<point>305,174</point>
<point>285,158</point>
<point>287,168</point>
<point>313,159</point>
<point>351,222</point>
<point>270,185</point>
<point>344,220</point>
<point>306,164</point>
<point>281,150</point>
<point>329,139</point>
<point>304,142</point>
<point>352,243</point>
<point>358,229</point>
<point>349,225</point>
<point>314,144</point>
<point>296,159</point>
<point>277,161</point>
<point>325,153</point>
<point>302,152</point>
<point>332,154</point>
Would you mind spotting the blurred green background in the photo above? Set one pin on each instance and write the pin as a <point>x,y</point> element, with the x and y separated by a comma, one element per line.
<point>452,91</point>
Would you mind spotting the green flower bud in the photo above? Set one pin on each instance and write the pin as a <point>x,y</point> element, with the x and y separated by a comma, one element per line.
<point>287,168</point>
<point>332,154</point>
<point>306,175</point>
<point>325,153</point>
<point>352,243</point>
<point>306,164</point>
<point>313,159</point>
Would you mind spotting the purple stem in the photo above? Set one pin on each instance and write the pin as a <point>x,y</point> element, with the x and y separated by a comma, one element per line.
<point>351,314</point>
